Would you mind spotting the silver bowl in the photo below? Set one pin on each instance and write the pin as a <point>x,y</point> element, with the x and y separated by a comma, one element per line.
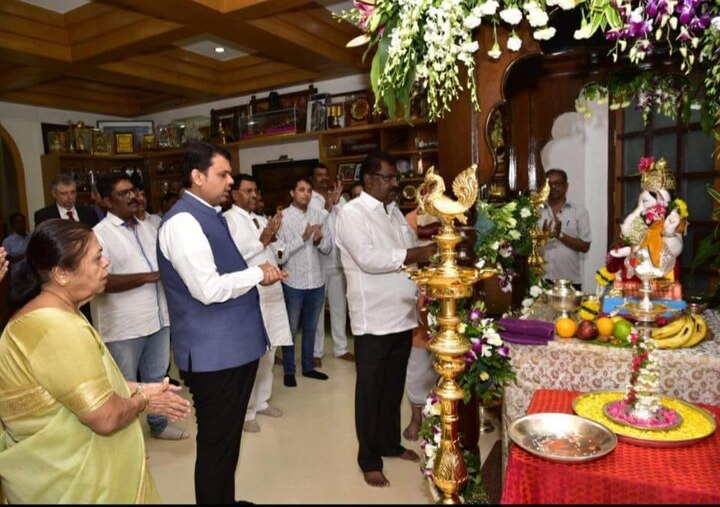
<point>565,302</point>
<point>564,438</point>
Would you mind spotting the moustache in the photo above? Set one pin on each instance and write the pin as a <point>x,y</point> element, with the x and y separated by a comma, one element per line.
<point>133,202</point>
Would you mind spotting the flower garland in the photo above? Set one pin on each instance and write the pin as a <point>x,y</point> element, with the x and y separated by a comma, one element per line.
<point>425,42</point>
<point>503,232</point>
<point>644,374</point>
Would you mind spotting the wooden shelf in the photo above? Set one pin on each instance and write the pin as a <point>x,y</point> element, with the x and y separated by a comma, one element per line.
<point>413,152</point>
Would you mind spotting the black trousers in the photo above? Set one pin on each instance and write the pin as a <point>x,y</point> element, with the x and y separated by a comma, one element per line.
<point>381,362</point>
<point>220,399</point>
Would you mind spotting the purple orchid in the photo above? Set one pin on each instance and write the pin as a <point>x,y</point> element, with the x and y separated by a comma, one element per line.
<point>504,351</point>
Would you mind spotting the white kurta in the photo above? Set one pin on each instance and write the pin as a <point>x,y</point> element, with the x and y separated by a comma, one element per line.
<point>272,303</point>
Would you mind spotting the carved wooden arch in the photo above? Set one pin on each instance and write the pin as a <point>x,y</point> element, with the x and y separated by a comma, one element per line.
<point>19,170</point>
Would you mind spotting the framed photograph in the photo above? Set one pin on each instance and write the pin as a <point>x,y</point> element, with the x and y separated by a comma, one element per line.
<point>124,142</point>
<point>137,127</point>
<point>347,171</point>
<point>102,142</point>
<point>55,137</point>
<point>318,112</point>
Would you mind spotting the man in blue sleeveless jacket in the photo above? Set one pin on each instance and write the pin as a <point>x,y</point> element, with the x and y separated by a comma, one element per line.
<point>216,326</point>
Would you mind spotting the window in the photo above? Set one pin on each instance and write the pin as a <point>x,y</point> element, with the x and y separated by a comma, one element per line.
<point>690,153</point>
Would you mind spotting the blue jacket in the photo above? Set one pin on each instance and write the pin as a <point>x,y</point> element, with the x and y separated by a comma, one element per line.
<point>217,336</point>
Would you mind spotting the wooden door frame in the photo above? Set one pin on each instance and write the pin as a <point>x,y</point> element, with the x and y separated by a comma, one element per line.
<point>19,171</point>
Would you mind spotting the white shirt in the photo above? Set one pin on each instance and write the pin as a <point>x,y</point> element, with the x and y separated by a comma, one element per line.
<point>562,262</point>
<point>64,213</point>
<point>331,261</point>
<point>301,258</point>
<point>183,242</point>
<point>137,312</point>
<point>152,219</point>
<point>373,245</point>
<point>246,236</point>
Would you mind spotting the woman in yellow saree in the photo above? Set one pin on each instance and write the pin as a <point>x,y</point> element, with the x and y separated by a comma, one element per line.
<point>69,431</point>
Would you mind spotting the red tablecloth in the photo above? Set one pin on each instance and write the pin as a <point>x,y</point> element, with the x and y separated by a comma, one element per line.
<point>630,474</point>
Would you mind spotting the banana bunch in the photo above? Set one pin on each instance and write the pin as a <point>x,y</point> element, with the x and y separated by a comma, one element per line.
<point>687,330</point>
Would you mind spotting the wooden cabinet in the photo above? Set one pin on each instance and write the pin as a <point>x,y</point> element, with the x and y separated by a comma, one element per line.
<point>158,172</point>
<point>415,146</point>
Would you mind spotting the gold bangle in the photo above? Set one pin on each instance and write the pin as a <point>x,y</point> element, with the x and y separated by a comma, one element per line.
<point>139,390</point>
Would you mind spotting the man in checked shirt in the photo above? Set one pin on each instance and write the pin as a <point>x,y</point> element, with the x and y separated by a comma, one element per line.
<point>306,236</point>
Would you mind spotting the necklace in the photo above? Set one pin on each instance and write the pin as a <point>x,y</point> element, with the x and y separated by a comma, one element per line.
<point>61,298</point>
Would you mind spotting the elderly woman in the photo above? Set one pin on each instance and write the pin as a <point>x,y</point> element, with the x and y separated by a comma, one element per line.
<point>69,430</point>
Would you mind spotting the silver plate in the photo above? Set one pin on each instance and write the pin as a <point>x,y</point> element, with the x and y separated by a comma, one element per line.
<point>564,438</point>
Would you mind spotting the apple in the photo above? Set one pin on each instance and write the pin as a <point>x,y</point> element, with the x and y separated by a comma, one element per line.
<point>587,330</point>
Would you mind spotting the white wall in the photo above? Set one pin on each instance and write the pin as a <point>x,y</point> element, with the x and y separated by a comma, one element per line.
<point>580,147</point>
<point>23,124</point>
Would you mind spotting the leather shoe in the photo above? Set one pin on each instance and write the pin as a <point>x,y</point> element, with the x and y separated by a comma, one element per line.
<point>347,356</point>
<point>290,381</point>
<point>315,374</point>
<point>317,362</point>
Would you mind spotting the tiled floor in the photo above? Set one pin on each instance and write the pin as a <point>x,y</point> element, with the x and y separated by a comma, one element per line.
<point>306,456</point>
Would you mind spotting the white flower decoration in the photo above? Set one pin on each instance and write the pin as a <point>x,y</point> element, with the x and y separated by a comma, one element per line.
<point>525,213</point>
<point>514,43</point>
<point>537,17</point>
<point>495,51</point>
<point>715,23</point>
<point>461,328</point>
<point>489,8</point>
<point>535,291</point>
<point>472,22</point>
<point>511,16</point>
<point>544,33</point>
<point>484,376</point>
<point>566,5</point>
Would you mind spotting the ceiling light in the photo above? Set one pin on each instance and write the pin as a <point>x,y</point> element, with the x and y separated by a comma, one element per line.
<point>219,49</point>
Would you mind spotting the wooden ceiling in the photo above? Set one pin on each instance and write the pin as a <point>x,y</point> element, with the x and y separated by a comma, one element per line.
<point>116,57</point>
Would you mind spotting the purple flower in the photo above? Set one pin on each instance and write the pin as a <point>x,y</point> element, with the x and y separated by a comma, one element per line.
<point>504,351</point>
<point>470,357</point>
<point>475,314</point>
<point>687,12</point>
<point>651,9</point>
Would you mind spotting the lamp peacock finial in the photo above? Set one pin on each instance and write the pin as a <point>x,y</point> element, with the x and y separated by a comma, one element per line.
<point>431,198</point>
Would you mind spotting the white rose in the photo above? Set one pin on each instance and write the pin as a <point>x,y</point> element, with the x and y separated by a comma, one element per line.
<point>715,23</point>
<point>535,291</point>
<point>527,302</point>
<point>525,213</point>
<point>461,328</point>
<point>495,51</point>
<point>430,451</point>
<point>566,5</point>
<point>544,33</point>
<point>495,245</point>
<point>493,338</point>
<point>511,16</point>
<point>504,253</point>
<point>512,222</point>
<point>489,8</point>
<point>432,321</point>
<point>583,32</point>
<point>514,43</point>
<point>480,264</point>
<point>514,234</point>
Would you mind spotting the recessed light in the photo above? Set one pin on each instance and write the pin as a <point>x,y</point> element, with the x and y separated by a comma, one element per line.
<point>219,49</point>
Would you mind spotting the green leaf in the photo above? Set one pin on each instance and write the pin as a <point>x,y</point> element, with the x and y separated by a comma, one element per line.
<point>709,248</point>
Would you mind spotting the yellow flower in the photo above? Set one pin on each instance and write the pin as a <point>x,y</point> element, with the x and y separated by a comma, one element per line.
<point>461,328</point>
<point>603,276</point>
<point>682,208</point>
<point>484,376</point>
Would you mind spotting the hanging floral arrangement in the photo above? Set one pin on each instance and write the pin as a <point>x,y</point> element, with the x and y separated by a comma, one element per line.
<point>426,43</point>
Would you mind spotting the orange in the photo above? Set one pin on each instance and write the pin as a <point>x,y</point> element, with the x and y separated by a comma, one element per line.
<point>565,327</point>
<point>605,326</point>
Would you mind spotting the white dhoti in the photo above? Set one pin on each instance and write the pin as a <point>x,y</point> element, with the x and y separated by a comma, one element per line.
<point>420,377</point>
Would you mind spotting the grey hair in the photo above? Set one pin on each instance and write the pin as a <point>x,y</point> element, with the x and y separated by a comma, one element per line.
<point>62,179</point>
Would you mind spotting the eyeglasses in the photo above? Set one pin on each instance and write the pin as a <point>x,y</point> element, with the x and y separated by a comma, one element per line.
<point>388,177</point>
<point>123,194</point>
